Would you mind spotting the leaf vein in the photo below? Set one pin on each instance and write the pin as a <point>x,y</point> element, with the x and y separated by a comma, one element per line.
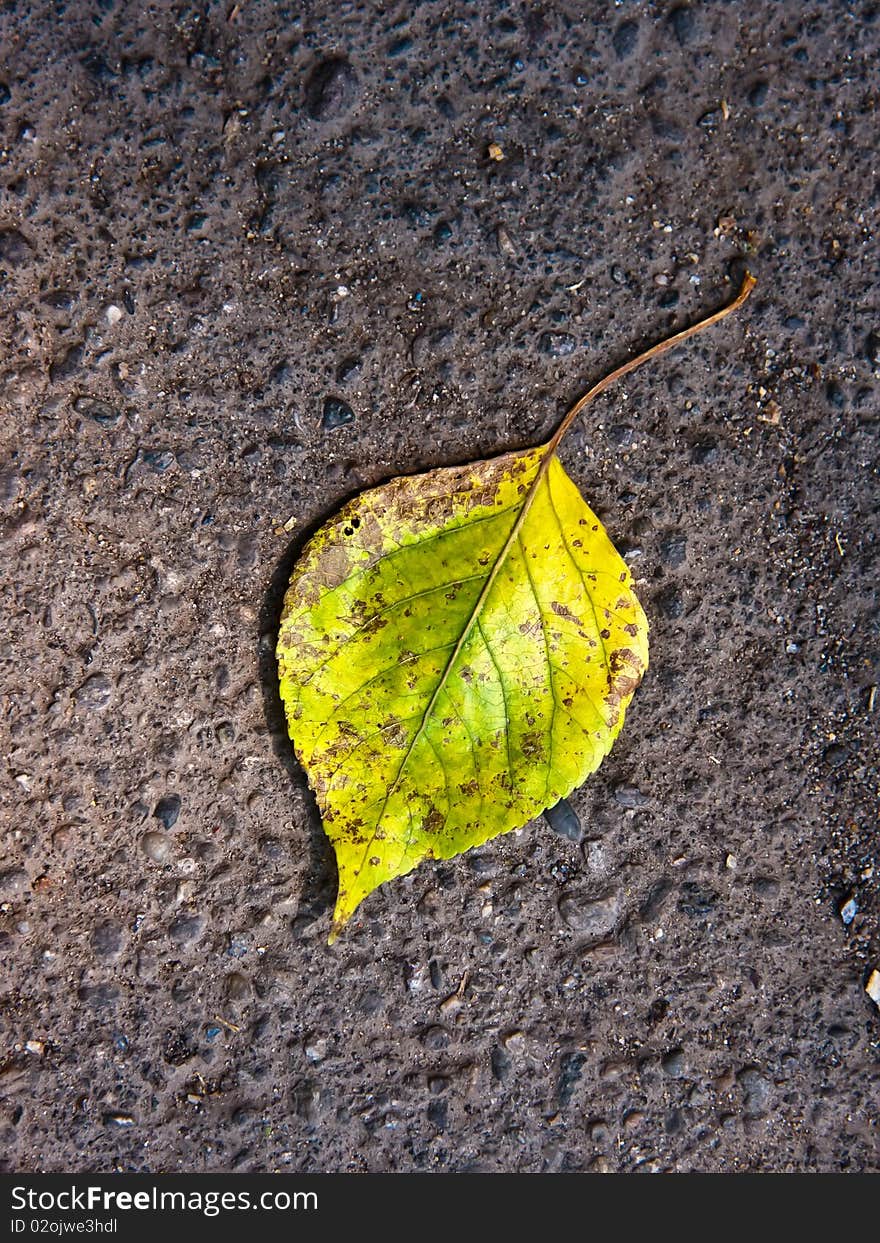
<point>549,664</point>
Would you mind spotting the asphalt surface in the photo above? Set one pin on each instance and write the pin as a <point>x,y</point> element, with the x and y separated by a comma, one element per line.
<point>223,230</point>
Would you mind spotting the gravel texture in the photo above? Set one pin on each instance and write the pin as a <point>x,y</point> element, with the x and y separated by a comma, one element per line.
<point>256,256</point>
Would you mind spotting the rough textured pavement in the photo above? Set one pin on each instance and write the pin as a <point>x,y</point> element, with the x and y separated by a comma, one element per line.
<point>213,219</point>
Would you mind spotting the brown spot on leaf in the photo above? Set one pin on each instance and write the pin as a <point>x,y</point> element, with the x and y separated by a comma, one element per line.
<point>562,610</point>
<point>532,746</point>
<point>623,684</point>
<point>434,821</point>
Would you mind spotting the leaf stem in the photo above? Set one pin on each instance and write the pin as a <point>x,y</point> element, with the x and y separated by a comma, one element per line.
<point>655,351</point>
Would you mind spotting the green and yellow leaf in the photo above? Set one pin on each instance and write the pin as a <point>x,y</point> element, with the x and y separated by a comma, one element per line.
<point>457,652</point>
<point>438,696</point>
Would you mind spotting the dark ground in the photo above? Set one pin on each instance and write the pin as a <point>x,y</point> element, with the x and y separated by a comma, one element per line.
<point>203,235</point>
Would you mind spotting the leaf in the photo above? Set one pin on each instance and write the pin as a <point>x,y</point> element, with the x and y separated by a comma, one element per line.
<point>457,652</point>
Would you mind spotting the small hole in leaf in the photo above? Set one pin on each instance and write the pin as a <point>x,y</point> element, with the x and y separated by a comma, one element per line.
<point>355,522</point>
<point>347,531</point>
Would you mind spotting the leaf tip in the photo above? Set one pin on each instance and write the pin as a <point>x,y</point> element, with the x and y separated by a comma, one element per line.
<point>346,905</point>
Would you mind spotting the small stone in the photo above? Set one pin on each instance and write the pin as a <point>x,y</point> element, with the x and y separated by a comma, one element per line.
<point>504,242</point>
<point>336,413</point>
<point>673,1063</point>
<point>849,910</point>
<point>630,796</point>
<point>113,314</point>
<point>120,1120</point>
<point>331,90</point>
<point>316,1048</point>
<point>495,152</point>
<point>673,550</point>
<point>417,976</point>
<point>872,988</point>
<point>710,120</point>
<point>37,1047</point>
<point>95,408</point>
<point>349,369</point>
<point>557,344</point>
<point>13,881</point>
<point>570,1073</point>
<point>836,755</point>
<point>435,1038</point>
<point>187,929</point>
<point>696,900</point>
<point>597,858</point>
<point>157,846</point>
<point>501,1064</point>
<point>167,810</point>
<point>438,1112</point>
<point>593,917</point>
<point>757,1090</point>
<point>158,460</point>
<point>704,453</point>
<point>94,694</point>
<point>563,819</point>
